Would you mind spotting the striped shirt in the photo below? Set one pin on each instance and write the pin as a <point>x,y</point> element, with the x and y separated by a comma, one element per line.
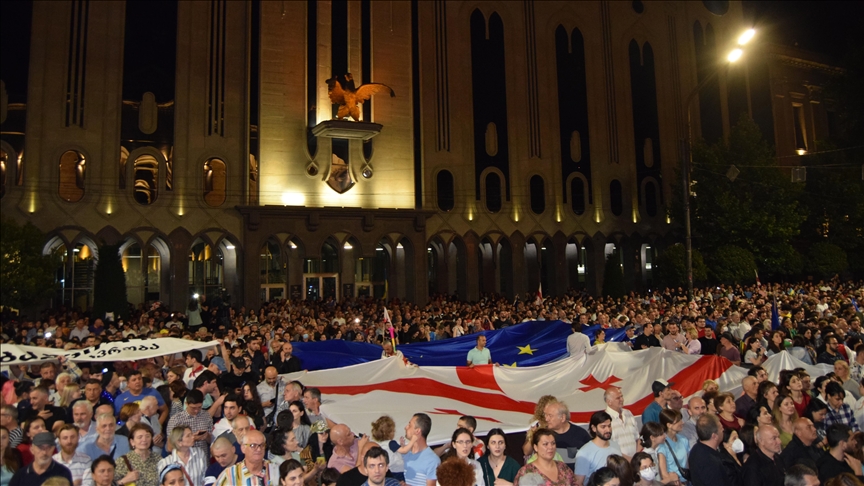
<point>15,436</point>
<point>624,431</point>
<point>239,475</point>
<point>78,465</point>
<point>195,468</point>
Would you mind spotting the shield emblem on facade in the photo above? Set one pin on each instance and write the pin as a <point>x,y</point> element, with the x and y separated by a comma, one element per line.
<point>340,179</point>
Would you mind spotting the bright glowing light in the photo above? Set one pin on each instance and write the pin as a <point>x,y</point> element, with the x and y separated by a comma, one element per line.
<point>293,246</point>
<point>230,247</point>
<point>347,246</point>
<point>746,36</point>
<point>293,199</point>
<point>734,55</point>
<point>194,296</point>
<point>399,246</point>
<point>801,151</point>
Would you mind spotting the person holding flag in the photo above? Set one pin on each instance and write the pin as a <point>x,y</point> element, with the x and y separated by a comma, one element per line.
<point>480,354</point>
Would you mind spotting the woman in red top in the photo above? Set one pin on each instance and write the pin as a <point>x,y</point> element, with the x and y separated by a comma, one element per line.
<point>725,403</point>
<point>795,389</point>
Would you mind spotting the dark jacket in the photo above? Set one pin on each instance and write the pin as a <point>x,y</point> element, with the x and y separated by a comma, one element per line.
<point>797,453</point>
<point>760,470</point>
<point>707,469</point>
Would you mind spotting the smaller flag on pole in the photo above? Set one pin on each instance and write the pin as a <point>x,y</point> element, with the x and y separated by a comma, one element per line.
<point>775,316</point>
<point>539,299</point>
<point>758,283</point>
<point>855,304</point>
<point>389,323</point>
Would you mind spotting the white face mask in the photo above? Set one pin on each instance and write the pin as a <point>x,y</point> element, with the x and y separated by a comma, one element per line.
<point>648,474</point>
<point>737,446</point>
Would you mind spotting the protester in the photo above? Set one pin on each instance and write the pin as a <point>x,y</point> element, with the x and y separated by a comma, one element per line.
<point>140,465</point>
<point>191,459</point>
<point>554,473</point>
<point>77,462</point>
<point>625,432</point>
<point>420,461</point>
<point>43,467</point>
<point>593,454</point>
<point>496,465</point>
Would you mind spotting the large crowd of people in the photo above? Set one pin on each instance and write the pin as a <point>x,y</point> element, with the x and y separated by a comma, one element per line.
<point>226,417</point>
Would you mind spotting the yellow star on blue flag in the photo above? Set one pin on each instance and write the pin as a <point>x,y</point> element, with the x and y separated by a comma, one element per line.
<point>510,365</point>
<point>526,349</point>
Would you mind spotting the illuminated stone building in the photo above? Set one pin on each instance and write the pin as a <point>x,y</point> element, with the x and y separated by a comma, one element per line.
<point>526,140</point>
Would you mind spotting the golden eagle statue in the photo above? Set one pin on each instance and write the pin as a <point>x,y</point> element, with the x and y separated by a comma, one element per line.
<point>342,92</point>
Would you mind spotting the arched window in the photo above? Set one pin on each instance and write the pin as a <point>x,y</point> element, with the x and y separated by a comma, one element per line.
<point>577,195</point>
<point>493,192</point>
<point>146,170</point>
<point>215,180</point>
<point>616,197</point>
<point>651,199</point>
<point>446,191</point>
<point>538,195</point>
<point>72,167</point>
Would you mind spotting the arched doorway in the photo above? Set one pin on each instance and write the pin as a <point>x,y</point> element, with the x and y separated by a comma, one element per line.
<point>74,272</point>
<point>272,271</point>
<point>321,275</point>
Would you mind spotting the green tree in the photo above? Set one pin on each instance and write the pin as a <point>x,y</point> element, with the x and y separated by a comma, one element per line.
<point>732,264</point>
<point>109,284</point>
<point>759,210</point>
<point>826,260</point>
<point>26,274</point>
<point>670,268</point>
<point>613,277</point>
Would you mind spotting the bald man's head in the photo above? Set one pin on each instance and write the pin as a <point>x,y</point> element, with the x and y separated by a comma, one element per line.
<point>768,439</point>
<point>805,431</point>
<point>271,375</point>
<point>696,407</point>
<point>341,435</point>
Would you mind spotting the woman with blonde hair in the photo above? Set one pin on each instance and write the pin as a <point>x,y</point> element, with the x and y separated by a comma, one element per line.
<point>192,460</point>
<point>784,418</point>
<point>69,394</point>
<point>538,421</point>
<point>383,433</point>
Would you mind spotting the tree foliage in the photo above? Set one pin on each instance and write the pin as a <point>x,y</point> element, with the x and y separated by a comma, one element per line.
<point>26,274</point>
<point>613,277</point>
<point>759,210</point>
<point>732,264</point>
<point>670,269</point>
<point>826,260</point>
<point>109,284</point>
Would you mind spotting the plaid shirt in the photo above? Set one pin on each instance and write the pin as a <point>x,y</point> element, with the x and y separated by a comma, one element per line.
<point>78,465</point>
<point>202,421</point>
<point>843,416</point>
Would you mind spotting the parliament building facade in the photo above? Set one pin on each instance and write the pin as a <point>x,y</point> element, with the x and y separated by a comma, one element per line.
<point>526,141</point>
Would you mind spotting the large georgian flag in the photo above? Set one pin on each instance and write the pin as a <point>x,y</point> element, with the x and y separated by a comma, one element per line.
<point>502,396</point>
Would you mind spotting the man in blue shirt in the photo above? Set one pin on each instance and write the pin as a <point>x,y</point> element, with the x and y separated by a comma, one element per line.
<point>136,392</point>
<point>479,355</point>
<point>105,441</point>
<point>662,393</point>
<point>420,462</point>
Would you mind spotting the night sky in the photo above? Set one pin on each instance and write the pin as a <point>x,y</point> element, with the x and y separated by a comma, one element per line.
<point>827,27</point>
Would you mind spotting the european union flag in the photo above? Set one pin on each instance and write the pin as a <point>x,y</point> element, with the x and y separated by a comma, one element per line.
<point>527,344</point>
<point>775,316</point>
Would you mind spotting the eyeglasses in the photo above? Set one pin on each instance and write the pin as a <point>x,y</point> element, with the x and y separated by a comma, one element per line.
<point>256,447</point>
<point>463,442</point>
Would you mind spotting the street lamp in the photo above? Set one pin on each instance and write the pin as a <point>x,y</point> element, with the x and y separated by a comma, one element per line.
<point>687,155</point>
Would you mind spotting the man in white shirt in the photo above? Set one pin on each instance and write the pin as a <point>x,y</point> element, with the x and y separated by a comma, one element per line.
<point>77,462</point>
<point>578,343</point>
<point>270,390</point>
<point>625,431</point>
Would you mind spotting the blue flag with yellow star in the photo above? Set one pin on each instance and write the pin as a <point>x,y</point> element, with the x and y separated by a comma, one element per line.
<point>527,344</point>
